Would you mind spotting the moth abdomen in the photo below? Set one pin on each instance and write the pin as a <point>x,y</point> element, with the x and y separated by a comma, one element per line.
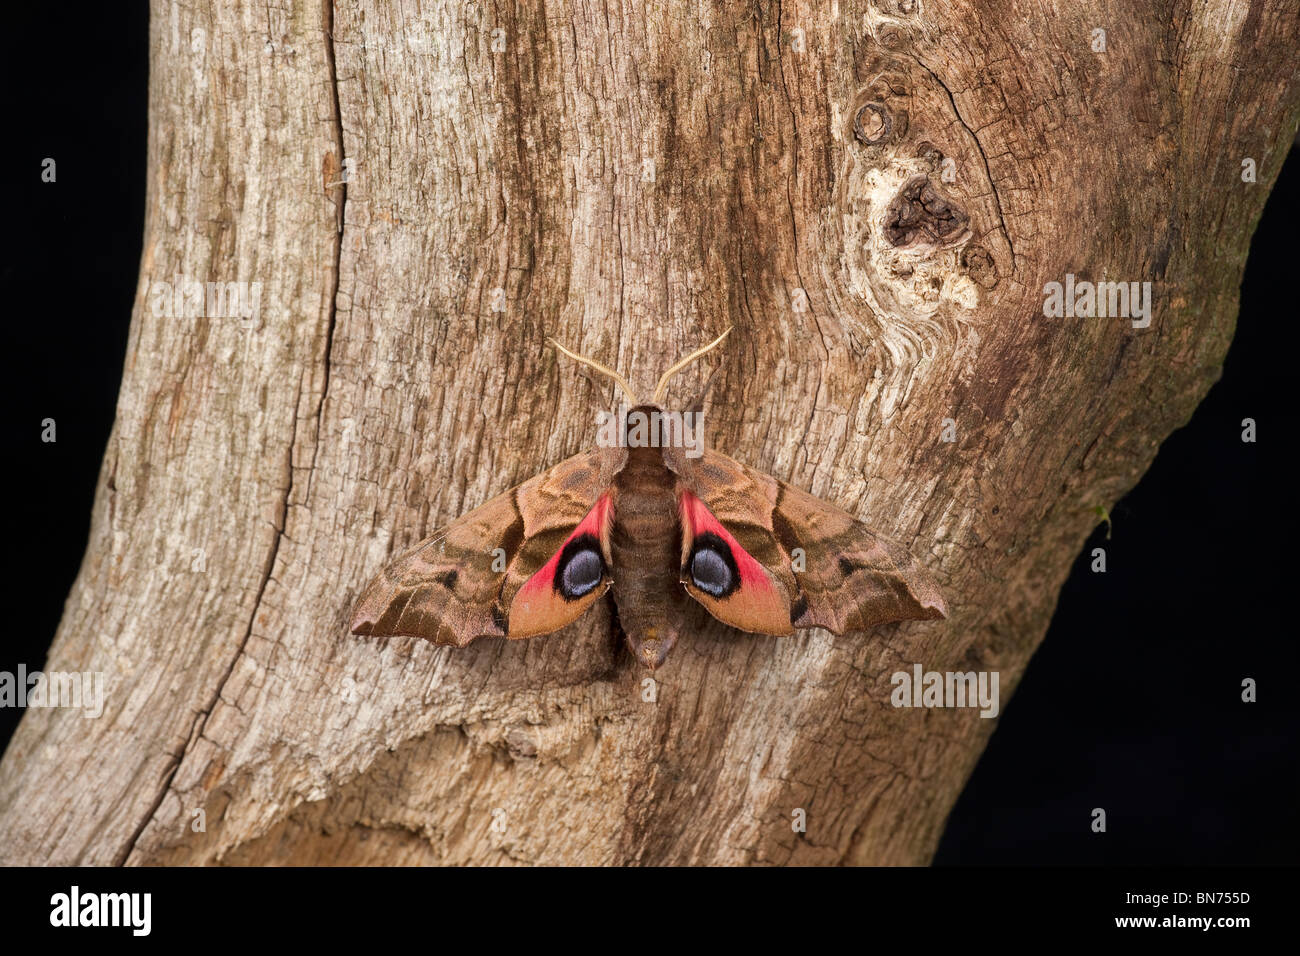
<point>645,548</point>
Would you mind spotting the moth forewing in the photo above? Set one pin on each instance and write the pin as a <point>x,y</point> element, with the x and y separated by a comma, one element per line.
<point>445,588</point>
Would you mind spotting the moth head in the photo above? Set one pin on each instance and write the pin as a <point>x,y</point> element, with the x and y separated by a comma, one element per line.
<point>661,388</point>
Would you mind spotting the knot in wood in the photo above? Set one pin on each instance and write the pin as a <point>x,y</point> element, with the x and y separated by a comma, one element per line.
<point>978,263</point>
<point>920,213</point>
<point>891,37</point>
<point>872,124</point>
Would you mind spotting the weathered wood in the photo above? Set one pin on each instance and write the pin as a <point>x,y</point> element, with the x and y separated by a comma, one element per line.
<point>631,180</point>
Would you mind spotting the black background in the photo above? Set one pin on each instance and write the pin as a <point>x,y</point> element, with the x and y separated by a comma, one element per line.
<point>1132,704</point>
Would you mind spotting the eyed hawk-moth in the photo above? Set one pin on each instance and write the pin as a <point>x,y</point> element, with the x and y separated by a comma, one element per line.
<point>656,526</point>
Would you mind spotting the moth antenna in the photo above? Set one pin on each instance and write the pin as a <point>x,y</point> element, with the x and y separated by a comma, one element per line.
<point>698,353</point>
<point>622,382</point>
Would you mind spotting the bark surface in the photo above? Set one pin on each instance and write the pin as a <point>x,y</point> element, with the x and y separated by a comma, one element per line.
<point>873,193</point>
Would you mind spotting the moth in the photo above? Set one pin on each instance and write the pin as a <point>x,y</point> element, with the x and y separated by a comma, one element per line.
<point>658,525</point>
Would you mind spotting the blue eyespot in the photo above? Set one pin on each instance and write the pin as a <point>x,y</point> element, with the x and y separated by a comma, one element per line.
<point>713,567</point>
<point>582,573</point>
<point>581,568</point>
<point>710,573</point>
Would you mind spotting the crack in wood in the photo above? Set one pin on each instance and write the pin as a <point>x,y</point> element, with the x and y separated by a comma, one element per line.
<point>201,718</point>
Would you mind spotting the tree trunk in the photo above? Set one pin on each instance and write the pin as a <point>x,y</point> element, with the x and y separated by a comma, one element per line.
<point>873,193</point>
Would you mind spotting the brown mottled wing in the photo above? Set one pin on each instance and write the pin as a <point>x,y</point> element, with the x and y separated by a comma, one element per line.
<point>445,588</point>
<point>852,578</point>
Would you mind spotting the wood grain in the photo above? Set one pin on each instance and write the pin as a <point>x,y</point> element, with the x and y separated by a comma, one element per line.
<point>631,180</point>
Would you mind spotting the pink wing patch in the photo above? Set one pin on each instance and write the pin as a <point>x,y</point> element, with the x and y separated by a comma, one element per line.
<point>570,581</point>
<point>724,577</point>
<point>697,520</point>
